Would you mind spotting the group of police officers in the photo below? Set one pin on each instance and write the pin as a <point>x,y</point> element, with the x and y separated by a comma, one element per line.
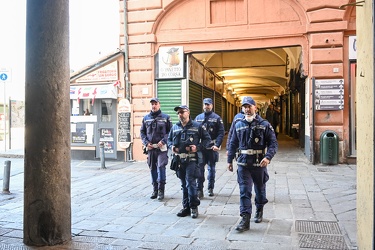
<point>195,144</point>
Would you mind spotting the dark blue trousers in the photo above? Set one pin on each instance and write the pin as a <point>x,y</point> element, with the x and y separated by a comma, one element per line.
<point>246,178</point>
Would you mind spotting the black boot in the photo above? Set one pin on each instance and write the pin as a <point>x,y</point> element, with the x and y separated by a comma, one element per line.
<point>161,191</point>
<point>155,192</point>
<point>161,195</point>
<point>244,224</point>
<point>259,215</point>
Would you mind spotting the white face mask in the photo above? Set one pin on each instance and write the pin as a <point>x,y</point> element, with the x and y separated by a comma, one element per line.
<point>249,118</point>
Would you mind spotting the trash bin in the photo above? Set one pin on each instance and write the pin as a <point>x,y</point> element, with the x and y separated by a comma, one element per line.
<point>329,147</point>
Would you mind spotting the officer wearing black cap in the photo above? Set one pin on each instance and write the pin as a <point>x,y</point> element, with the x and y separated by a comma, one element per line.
<point>215,127</point>
<point>154,134</point>
<point>186,139</point>
<point>256,142</point>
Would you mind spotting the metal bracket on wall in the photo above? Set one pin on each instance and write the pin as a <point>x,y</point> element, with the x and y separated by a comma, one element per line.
<point>352,4</point>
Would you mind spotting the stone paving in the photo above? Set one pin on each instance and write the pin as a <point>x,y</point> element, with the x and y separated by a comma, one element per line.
<point>310,207</point>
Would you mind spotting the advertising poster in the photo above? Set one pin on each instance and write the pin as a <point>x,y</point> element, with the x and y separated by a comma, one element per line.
<point>106,136</point>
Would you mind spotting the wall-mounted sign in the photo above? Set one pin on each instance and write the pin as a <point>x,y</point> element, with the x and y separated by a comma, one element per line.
<point>329,94</point>
<point>106,73</point>
<point>124,123</point>
<point>352,47</point>
<point>171,62</point>
<point>107,91</point>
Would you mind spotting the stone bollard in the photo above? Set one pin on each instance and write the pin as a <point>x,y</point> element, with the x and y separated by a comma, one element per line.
<point>6,178</point>
<point>102,156</point>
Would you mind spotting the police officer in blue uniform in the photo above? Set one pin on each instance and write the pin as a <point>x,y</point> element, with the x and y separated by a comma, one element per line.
<point>256,142</point>
<point>186,139</point>
<point>215,127</point>
<point>154,134</point>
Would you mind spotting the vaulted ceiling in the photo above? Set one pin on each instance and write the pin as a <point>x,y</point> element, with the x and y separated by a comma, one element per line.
<point>263,74</point>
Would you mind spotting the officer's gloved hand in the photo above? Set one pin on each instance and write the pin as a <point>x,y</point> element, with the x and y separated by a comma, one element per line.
<point>182,149</point>
<point>175,149</point>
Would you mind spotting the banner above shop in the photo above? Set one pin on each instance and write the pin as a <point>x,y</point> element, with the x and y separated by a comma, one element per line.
<point>170,63</point>
<point>106,73</point>
<point>107,91</point>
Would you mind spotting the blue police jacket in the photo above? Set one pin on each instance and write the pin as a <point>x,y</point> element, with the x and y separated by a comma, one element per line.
<point>236,118</point>
<point>192,134</point>
<point>214,125</point>
<point>254,141</point>
<point>155,127</point>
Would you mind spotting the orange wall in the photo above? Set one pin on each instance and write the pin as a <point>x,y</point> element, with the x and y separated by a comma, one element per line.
<point>198,25</point>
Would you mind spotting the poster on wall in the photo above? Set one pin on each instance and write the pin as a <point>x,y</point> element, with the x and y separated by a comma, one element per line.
<point>108,147</point>
<point>106,136</point>
<point>209,80</point>
<point>17,109</point>
<point>196,71</point>
<point>78,135</point>
<point>171,62</point>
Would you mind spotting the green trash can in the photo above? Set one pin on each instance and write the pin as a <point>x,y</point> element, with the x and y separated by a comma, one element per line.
<point>329,148</point>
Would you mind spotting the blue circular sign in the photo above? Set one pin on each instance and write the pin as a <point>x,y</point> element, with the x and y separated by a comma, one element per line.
<point>3,77</point>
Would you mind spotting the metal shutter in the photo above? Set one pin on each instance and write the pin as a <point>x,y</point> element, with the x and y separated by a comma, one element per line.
<point>195,99</point>
<point>218,108</point>
<point>169,94</point>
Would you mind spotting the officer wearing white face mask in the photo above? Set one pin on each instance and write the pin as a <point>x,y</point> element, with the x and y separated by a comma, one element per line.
<point>256,142</point>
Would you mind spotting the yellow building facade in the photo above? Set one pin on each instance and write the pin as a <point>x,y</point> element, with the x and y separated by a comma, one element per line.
<point>365,125</point>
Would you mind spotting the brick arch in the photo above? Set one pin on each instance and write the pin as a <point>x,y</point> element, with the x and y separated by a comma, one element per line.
<point>194,16</point>
<point>195,24</point>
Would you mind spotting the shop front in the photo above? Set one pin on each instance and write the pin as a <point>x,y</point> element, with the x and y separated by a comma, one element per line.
<point>96,101</point>
<point>93,120</point>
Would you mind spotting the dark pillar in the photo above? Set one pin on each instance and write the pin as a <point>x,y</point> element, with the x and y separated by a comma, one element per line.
<point>47,198</point>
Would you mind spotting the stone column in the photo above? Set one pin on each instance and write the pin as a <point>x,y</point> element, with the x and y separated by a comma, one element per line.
<point>47,197</point>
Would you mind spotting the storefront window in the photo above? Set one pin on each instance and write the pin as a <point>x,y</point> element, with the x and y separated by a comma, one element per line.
<point>86,107</point>
<point>83,107</point>
<point>106,110</point>
<point>75,107</point>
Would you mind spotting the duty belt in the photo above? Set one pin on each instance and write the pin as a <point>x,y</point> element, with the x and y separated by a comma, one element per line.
<point>185,155</point>
<point>245,164</point>
<point>251,152</point>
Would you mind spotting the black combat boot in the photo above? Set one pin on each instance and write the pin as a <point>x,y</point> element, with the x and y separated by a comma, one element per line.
<point>184,212</point>
<point>244,224</point>
<point>194,213</point>
<point>259,215</point>
<point>155,192</point>
<point>161,191</point>
<point>161,195</point>
<point>200,193</point>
